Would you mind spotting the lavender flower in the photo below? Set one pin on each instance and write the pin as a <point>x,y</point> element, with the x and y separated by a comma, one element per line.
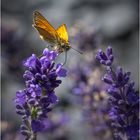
<point>88,89</point>
<point>124,99</point>
<point>105,58</point>
<point>56,123</point>
<point>90,95</point>
<point>34,102</point>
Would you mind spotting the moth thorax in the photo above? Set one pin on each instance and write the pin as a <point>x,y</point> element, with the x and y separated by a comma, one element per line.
<point>65,46</point>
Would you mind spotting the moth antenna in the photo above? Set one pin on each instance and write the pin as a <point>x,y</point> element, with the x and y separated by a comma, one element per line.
<point>77,50</point>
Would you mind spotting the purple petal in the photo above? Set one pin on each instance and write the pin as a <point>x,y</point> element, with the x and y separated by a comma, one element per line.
<point>53,98</point>
<point>20,97</point>
<point>37,126</point>
<point>46,52</point>
<point>53,55</point>
<point>31,61</point>
<point>61,72</point>
<point>109,51</point>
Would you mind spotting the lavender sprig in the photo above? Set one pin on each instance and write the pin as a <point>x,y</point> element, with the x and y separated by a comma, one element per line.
<point>124,99</point>
<point>34,102</point>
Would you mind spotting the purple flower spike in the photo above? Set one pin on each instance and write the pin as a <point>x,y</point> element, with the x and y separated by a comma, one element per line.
<point>124,100</point>
<point>88,92</point>
<point>34,102</point>
<point>105,58</point>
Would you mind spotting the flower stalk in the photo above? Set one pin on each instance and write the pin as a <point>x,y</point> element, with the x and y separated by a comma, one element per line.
<point>124,99</point>
<point>35,102</point>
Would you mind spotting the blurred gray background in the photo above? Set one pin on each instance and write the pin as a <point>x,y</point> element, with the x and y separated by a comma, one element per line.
<point>115,21</point>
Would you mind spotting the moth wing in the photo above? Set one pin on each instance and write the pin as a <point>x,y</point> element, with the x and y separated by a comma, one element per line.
<point>62,32</point>
<point>46,35</point>
<point>45,29</point>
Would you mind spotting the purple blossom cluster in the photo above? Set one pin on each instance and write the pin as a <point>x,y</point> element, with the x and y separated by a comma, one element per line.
<point>34,102</point>
<point>57,125</point>
<point>92,98</point>
<point>90,95</point>
<point>124,99</point>
<point>89,90</point>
